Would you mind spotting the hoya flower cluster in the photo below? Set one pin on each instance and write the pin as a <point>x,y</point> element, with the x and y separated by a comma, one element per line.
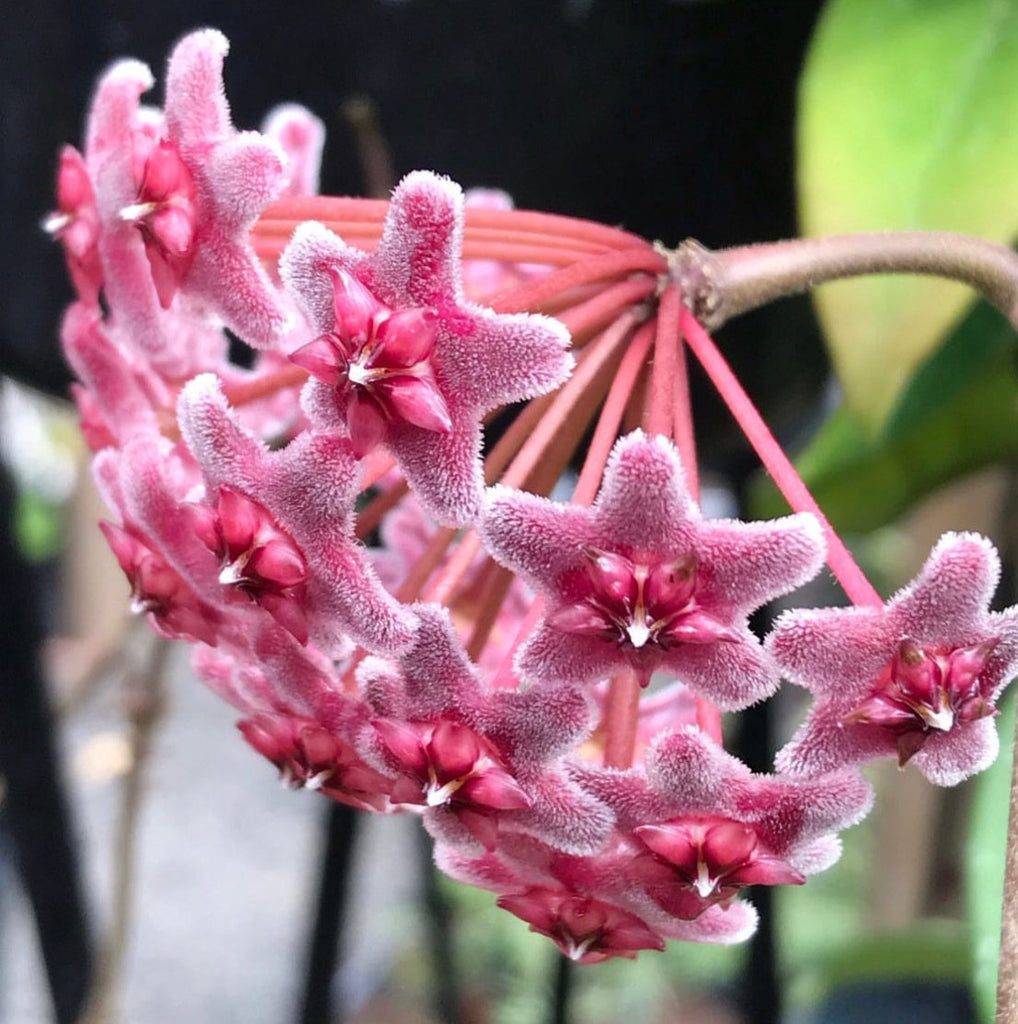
<point>359,546</point>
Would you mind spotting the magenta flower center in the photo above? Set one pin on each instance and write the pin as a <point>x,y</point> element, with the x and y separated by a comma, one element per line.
<point>924,690</point>
<point>256,557</point>
<point>715,856</point>
<point>635,604</point>
<point>383,360</point>
<point>164,212</point>
<point>585,929</point>
<point>157,589</point>
<point>309,757</point>
<point>446,764</point>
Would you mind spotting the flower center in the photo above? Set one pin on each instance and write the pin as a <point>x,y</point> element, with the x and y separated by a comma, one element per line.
<point>381,359</point>
<point>635,604</point>
<point>164,213</point>
<point>926,690</point>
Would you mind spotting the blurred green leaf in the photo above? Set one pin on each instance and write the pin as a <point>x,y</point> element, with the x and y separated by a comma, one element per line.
<point>935,951</point>
<point>984,866</point>
<point>983,338</point>
<point>38,526</point>
<point>862,482</point>
<point>908,120</point>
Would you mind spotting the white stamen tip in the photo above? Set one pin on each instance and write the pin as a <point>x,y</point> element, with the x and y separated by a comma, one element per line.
<point>436,796</point>
<point>941,720</point>
<point>137,210</point>
<point>639,633</point>
<point>316,781</point>
<point>55,223</point>
<point>230,574</point>
<point>704,884</point>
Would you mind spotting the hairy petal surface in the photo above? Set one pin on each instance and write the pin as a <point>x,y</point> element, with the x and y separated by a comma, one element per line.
<point>917,679</point>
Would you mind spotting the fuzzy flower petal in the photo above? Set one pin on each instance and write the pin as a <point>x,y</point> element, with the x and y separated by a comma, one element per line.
<point>917,679</point>
<point>640,580</point>
<point>403,359</point>
<point>235,176</point>
<point>308,489</point>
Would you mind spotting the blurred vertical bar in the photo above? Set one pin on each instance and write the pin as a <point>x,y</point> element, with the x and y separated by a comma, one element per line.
<point>34,808</point>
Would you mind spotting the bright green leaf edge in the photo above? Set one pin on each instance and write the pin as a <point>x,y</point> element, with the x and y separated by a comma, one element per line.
<point>908,120</point>
<point>960,413</point>
<point>985,855</point>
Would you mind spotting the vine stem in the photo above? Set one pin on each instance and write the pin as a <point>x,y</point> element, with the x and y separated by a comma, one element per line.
<point>145,705</point>
<point>852,579</point>
<point>1007,976</point>
<point>724,284</point>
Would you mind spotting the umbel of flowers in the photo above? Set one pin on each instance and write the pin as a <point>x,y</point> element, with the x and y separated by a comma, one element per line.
<point>375,577</point>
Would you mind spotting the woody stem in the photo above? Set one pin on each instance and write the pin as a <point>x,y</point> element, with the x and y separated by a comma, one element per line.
<point>1007,976</point>
<point>721,285</point>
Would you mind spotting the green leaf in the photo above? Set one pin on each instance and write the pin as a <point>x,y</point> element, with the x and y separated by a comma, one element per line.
<point>908,120</point>
<point>984,337</point>
<point>984,866</point>
<point>864,482</point>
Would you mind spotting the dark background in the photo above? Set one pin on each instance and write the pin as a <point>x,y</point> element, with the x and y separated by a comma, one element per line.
<point>673,119</point>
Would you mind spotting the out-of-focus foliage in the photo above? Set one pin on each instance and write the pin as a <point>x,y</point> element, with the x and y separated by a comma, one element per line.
<point>958,413</point>
<point>984,866</point>
<point>908,121</point>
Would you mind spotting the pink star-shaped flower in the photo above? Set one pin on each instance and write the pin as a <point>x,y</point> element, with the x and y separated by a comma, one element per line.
<point>202,187</point>
<point>640,580</point>
<point>508,745</point>
<point>917,679</point>
<point>307,491</point>
<point>706,826</point>
<point>402,359</point>
<point>186,186</point>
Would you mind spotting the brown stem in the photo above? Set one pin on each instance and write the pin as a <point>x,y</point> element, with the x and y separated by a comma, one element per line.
<point>370,145</point>
<point>1007,977</point>
<point>718,286</point>
<point>145,703</point>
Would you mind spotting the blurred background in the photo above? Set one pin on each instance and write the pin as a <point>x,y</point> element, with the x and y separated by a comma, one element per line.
<point>141,843</point>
